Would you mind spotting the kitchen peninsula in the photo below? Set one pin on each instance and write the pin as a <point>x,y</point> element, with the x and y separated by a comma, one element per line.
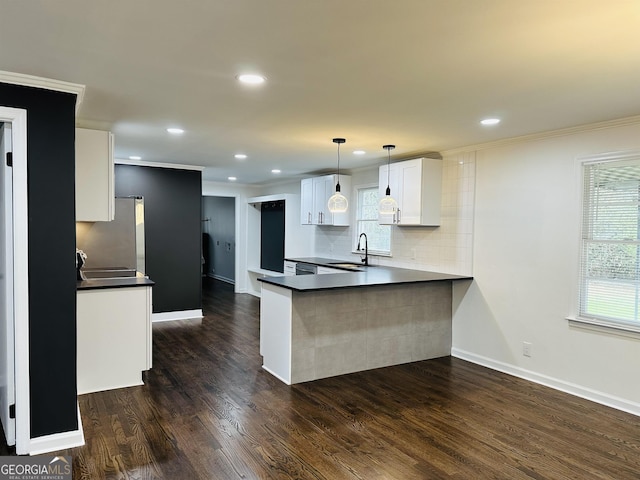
<point>317,326</point>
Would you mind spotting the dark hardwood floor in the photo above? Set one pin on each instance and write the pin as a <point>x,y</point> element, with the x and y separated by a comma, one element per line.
<point>208,411</point>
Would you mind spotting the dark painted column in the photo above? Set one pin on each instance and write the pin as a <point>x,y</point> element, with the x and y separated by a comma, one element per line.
<point>52,277</point>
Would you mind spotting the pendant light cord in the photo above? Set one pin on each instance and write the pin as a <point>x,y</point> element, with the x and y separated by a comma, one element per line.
<point>338,141</point>
<point>388,148</point>
<point>388,168</point>
<point>338,163</point>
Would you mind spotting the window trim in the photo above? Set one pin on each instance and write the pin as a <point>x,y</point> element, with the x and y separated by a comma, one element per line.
<point>354,240</point>
<point>600,325</point>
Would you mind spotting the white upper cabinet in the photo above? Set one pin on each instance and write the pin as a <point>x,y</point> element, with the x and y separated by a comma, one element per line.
<point>314,199</point>
<point>307,208</point>
<point>94,176</point>
<point>417,187</point>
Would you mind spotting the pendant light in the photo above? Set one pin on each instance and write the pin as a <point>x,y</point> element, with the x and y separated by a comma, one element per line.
<point>388,204</point>
<point>338,203</point>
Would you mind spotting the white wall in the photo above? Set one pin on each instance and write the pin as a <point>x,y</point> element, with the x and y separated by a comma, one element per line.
<point>240,193</point>
<point>303,246</point>
<point>525,266</point>
<point>246,242</point>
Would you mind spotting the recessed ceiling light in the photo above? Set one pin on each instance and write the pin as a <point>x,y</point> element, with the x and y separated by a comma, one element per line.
<point>251,78</point>
<point>359,152</point>
<point>240,156</point>
<point>135,157</point>
<point>490,121</point>
<point>175,131</point>
<point>233,179</point>
<point>275,170</point>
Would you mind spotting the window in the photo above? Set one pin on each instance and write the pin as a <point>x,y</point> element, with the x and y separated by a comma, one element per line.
<point>378,236</point>
<point>610,259</point>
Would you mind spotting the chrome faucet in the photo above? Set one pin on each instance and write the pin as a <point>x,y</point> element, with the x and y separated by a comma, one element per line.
<point>365,260</point>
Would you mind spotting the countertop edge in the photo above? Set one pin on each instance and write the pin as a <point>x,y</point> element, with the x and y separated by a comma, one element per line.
<point>341,286</point>
<point>102,283</point>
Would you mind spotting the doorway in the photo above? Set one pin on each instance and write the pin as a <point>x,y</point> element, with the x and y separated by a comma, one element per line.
<point>219,238</point>
<point>14,280</point>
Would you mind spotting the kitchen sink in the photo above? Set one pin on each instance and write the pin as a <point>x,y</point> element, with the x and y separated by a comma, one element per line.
<point>349,265</point>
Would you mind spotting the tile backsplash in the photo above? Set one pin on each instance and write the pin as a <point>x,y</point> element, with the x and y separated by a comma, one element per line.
<point>447,248</point>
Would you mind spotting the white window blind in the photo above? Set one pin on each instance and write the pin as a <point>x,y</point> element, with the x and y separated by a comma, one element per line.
<point>378,236</point>
<point>610,260</point>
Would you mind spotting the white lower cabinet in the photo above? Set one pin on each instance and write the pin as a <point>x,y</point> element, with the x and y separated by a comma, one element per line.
<point>114,337</point>
<point>289,268</point>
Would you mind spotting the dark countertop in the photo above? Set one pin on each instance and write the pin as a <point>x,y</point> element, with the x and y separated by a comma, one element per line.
<point>364,277</point>
<point>120,282</point>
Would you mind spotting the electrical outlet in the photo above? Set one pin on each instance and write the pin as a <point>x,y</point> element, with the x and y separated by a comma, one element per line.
<point>331,247</point>
<point>526,349</point>
<point>413,254</point>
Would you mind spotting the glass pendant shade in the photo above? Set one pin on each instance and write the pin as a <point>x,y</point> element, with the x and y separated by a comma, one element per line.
<point>338,203</point>
<point>388,204</point>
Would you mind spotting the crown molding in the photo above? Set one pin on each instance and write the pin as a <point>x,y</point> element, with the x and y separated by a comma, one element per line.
<point>621,122</point>
<point>143,163</point>
<point>46,83</point>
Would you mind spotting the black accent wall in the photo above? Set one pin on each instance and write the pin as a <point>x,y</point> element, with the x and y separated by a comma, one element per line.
<point>52,276</point>
<point>272,236</point>
<point>173,231</point>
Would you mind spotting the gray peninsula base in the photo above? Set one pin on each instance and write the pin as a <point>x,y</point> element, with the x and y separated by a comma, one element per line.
<point>316,334</point>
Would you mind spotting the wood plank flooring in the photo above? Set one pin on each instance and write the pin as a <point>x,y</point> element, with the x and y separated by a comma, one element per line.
<point>208,411</point>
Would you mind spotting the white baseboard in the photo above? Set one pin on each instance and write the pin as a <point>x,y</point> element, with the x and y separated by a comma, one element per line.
<point>177,315</point>
<point>567,387</point>
<point>275,375</point>
<point>58,441</point>
<point>221,278</point>
<point>103,388</point>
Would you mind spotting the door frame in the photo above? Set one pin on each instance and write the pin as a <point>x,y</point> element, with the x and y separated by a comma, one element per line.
<point>17,117</point>
<point>7,369</point>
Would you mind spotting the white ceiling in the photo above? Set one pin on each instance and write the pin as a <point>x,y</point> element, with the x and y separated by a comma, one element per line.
<point>417,73</point>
